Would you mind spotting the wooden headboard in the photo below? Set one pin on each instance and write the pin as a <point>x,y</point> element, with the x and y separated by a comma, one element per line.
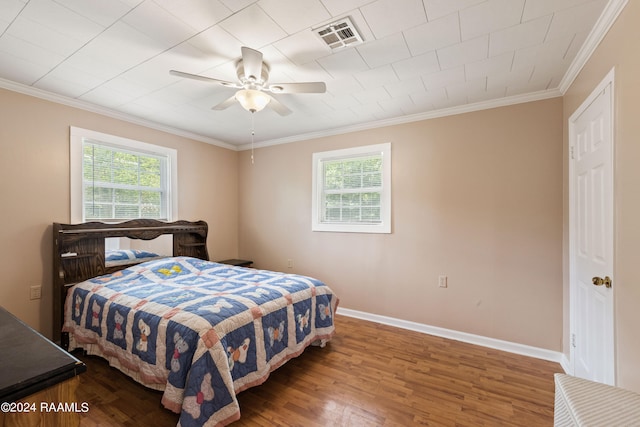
<point>79,252</point>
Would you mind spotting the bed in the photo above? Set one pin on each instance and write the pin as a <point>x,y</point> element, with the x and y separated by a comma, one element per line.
<point>199,331</point>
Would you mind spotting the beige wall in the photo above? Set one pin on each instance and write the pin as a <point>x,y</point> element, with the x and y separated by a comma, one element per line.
<point>477,197</point>
<point>34,169</point>
<point>619,49</point>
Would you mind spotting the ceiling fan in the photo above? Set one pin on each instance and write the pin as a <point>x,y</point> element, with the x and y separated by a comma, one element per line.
<point>253,75</point>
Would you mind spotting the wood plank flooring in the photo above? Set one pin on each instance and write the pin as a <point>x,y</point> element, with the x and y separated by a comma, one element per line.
<point>368,375</point>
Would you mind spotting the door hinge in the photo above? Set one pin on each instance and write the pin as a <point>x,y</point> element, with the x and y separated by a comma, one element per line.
<point>571,153</point>
<point>573,340</point>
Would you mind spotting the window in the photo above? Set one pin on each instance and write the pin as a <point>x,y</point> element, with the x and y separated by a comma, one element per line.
<point>115,179</point>
<point>352,190</point>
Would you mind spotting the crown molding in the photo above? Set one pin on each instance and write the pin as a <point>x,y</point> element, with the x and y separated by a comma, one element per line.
<point>604,23</point>
<point>452,111</point>
<point>87,106</point>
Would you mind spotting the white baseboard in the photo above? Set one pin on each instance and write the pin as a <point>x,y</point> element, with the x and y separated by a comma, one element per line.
<point>566,365</point>
<point>525,350</point>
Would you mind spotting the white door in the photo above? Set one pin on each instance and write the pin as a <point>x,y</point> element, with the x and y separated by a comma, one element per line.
<point>591,228</point>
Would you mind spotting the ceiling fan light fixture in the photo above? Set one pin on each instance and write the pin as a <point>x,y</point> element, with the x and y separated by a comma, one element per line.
<point>252,100</point>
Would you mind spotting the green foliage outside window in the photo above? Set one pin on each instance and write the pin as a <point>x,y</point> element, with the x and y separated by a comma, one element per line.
<point>120,184</point>
<point>352,189</point>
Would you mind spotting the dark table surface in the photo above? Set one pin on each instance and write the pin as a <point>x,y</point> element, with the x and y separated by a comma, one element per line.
<point>29,362</point>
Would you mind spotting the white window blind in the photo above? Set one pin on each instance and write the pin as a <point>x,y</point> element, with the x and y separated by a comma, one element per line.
<point>115,179</point>
<point>120,184</point>
<point>352,190</point>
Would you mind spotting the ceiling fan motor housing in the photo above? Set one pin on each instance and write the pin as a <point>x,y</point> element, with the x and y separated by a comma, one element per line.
<point>253,81</point>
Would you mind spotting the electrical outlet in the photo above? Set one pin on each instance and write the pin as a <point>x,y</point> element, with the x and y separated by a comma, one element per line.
<point>442,281</point>
<point>35,292</point>
<point>289,263</point>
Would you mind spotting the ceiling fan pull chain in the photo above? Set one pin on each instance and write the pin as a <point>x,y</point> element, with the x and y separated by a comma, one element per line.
<point>252,133</point>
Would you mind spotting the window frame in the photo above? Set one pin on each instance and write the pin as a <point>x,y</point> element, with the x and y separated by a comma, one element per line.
<point>317,222</point>
<point>76,139</point>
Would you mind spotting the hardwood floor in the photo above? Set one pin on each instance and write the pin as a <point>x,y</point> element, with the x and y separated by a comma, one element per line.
<point>368,375</point>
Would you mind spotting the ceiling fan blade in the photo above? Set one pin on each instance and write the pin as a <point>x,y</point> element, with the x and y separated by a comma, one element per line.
<point>278,107</point>
<point>252,63</point>
<point>307,87</point>
<point>225,104</point>
<point>202,78</point>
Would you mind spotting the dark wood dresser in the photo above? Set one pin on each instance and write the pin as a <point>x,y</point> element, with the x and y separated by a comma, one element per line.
<point>38,379</point>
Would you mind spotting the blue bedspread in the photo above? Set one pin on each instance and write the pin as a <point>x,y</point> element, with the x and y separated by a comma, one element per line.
<point>199,330</point>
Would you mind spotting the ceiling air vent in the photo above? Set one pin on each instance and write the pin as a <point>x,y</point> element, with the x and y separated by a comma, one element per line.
<point>339,34</point>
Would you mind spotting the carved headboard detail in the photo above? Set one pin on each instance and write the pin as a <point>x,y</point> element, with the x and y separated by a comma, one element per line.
<point>79,251</point>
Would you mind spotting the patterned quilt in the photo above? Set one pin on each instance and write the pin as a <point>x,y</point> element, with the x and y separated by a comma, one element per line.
<point>198,330</point>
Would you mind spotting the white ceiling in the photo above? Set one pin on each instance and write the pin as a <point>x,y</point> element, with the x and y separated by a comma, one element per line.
<point>419,57</point>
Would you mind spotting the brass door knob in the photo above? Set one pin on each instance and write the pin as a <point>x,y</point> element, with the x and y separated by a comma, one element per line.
<point>599,281</point>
